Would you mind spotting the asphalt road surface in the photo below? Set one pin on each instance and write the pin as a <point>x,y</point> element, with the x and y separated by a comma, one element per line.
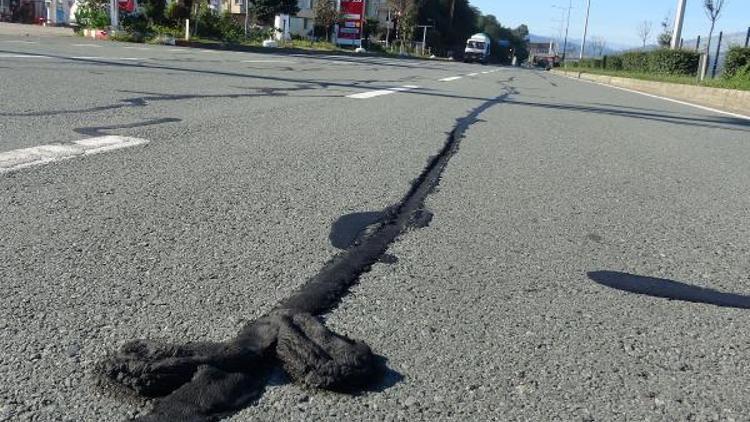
<point>587,259</point>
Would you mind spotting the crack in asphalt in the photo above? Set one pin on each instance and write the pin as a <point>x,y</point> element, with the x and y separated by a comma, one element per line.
<point>204,381</point>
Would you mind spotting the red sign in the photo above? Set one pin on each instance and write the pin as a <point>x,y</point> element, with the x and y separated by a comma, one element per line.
<point>126,5</point>
<point>352,14</point>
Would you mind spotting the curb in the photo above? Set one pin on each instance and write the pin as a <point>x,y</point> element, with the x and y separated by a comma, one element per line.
<point>722,99</point>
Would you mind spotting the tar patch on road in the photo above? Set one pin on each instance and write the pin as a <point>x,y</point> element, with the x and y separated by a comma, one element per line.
<point>207,381</point>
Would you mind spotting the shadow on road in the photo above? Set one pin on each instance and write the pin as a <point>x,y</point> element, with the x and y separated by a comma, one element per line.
<point>668,289</point>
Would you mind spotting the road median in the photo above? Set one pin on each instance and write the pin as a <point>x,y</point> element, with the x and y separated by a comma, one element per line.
<point>730,100</point>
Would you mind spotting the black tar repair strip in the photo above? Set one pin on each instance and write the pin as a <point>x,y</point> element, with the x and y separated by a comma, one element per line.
<point>201,382</point>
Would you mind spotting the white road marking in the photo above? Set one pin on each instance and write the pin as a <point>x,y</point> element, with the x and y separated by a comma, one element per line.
<point>672,100</point>
<point>486,72</point>
<point>21,42</point>
<point>43,154</point>
<point>452,78</point>
<point>136,48</point>
<point>87,45</point>
<point>473,74</point>
<point>378,93</point>
<point>268,61</point>
<point>107,58</point>
<point>23,56</point>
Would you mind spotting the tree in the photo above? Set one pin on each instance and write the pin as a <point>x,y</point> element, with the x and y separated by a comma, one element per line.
<point>644,31</point>
<point>406,16</point>
<point>665,38</point>
<point>325,15</point>
<point>598,45</point>
<point>713,11</point>
<point>265,10</point>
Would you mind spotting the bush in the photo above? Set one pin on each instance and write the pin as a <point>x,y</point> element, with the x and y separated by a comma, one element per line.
<point>166,30</point>
<point>154,10</point>
<point>673,62</point>
<point>176,12</point>
<point>127,37</point>
<point>737,62</point>
<point>219,26</point>
<point>635,61</point>
<point>614,63</point>
<point>92,14</point>
<point>135,24</point>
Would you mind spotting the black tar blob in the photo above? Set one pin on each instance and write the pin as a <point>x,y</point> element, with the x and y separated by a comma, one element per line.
<point>200,382</point>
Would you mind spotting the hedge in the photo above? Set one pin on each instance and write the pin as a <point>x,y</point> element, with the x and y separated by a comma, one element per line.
<point>737,62</point>
<point>673,62</point>
<point>662,61</point>
<point>635,61</point>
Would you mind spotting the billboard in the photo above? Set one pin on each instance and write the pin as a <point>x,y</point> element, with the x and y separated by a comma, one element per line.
<point>352,17</point>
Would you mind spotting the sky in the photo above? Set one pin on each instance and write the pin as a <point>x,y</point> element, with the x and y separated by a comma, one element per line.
<point>613,20</point>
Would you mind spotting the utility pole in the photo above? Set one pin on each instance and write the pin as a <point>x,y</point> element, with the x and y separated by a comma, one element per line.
<point>247,15</point>
<point>114,15</point>
<point>678,21</point>
<point>585,29</point>
<point>747,38</point>
<point>388,30</point>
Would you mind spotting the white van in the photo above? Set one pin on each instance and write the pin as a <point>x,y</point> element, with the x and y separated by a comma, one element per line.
<point>477,49</point>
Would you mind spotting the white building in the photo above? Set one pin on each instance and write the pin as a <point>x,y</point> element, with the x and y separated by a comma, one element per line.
<point>302,24</point>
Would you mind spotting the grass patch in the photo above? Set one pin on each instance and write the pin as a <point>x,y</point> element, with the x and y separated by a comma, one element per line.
<point>733,83</point>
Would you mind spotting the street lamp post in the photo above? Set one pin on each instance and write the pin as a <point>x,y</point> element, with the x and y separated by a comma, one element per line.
<point>585,30</point>
<point>566,22</point>
<point>567,27</point>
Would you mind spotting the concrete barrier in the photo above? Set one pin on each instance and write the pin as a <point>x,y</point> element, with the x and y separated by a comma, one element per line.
<point>732,100</point>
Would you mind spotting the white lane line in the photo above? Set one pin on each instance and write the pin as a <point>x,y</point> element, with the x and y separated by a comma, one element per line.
<point>23,56</point>
<point>486,72</point>
<point>21,42</point>
<point>378,93</point>
<point>107,58</point>
<point>268,61</point>
<point>87,45</point>
<point>671,100</point>
<point>43,154</point>
<point>136,48</point>
<point>452,78</point>
<point>472,74</point>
